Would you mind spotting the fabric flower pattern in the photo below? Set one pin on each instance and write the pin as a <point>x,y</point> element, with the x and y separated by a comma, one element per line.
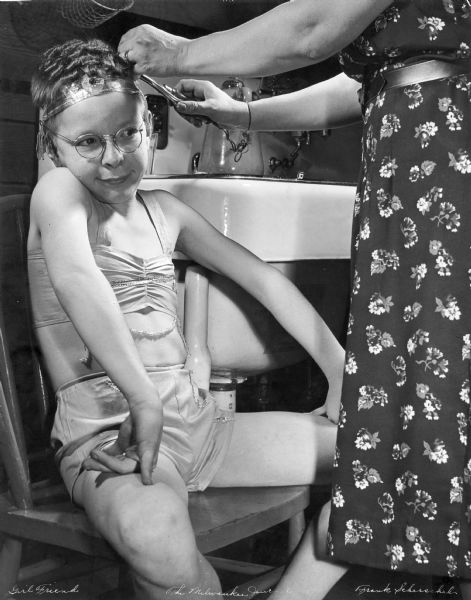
<point>380,305</point>
<point>399,366</point>
<point>409,231</point>
<point>366,440</point>
<point>387,205</point>
<point>377,340</point>
<point>448,308</point>
<point>357,530</point>
<point>432,25</point>
<point>437,452</point>
<point>401,497</point>
<point>386,503</point>
<point>414,93</point>
<point>425,169</point>
<point>400,451</point>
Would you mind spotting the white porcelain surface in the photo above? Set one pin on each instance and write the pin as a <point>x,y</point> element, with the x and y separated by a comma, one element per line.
<point>277,220</point>
<point>283,223</point>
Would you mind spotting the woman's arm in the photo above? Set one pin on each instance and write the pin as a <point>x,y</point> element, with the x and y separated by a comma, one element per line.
<point>325,105</point>
<point>59,208</point>
<point>202,242</point>
<point>292,35</point>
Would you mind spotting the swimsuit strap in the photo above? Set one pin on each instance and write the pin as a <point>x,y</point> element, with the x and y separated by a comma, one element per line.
<point>141,200</point>
<point>158,221</point>
<point>159,233</point>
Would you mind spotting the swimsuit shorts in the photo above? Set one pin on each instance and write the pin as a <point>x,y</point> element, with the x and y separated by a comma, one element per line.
<point>196,432</point>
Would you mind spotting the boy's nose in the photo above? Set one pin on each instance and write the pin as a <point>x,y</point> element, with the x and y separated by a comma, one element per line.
<point>111,154</point>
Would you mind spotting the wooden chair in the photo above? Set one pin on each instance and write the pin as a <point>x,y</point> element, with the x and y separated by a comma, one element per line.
<point>33,503</point>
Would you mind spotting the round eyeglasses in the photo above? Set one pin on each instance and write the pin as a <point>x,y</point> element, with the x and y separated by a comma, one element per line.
<point>91,145</point>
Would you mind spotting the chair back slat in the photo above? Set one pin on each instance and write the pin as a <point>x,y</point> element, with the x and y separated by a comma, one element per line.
<point>7,378</point>
<point>13,454</point>
<point>24,386</point>
<point>20,205</point>
<point>14,210</point>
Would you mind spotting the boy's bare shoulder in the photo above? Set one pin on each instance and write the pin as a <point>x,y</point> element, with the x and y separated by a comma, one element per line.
<point>58,175</point>
<point>59,192</point>
<point>58,181</point>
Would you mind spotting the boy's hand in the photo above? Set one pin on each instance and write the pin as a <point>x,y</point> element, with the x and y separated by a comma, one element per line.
<point>332,404</point>
<point>119,457</point>
<point>147,424</point>
<point>332,413</point>
<point>127,454</point>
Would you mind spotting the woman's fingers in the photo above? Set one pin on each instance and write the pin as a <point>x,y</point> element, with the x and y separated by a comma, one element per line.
<point>198,89</point>
<point>152,50</point>
<point>186,110</point>
<point>190,108</point>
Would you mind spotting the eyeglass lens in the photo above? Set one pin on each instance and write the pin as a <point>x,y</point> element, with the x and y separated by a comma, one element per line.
<point>128,139</point>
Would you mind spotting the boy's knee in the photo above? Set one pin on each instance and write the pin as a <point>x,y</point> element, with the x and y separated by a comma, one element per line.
<point>159,542</point>
<point>137,526</point>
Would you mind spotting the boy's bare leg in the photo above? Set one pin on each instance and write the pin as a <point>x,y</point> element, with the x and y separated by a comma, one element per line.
<point>278,448</point>
<point>208,584</point>
<point>286,448</point>
<point>310,575</point>
<point>149,527</point>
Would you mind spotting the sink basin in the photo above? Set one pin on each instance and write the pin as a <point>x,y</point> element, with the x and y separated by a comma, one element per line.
<point>278,220</point>
<point>290,224</point>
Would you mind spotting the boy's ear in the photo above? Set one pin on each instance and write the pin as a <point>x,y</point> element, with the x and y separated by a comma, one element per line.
<point>51,152</point>
<point>55,160</point>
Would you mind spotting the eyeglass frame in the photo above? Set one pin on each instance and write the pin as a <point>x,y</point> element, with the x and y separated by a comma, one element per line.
<point>102,138</point>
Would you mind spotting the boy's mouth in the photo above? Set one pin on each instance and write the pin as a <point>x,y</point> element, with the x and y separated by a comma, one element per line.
<point>114,180</point>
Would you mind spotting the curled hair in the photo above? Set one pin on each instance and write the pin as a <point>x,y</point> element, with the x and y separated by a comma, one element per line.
<point>67,63</point>
<point>70,63</point>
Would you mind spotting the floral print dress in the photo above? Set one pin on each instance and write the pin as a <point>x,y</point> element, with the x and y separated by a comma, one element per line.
<point>402,471</point>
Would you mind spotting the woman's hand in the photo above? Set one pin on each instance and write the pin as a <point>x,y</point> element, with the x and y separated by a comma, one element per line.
<point>209,101</point>
<point>153,51</point>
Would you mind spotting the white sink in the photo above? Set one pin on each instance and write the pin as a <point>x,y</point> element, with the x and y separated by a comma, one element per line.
<point>282,222</point>
<point>277,220</point>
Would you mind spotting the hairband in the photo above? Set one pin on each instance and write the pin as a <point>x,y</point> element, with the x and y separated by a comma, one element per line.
<point>88,87</point>
<point>73,93</point>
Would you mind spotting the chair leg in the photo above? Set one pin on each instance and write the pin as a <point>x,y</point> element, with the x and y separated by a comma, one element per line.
<point>10,558</point>
<point>297,525</point>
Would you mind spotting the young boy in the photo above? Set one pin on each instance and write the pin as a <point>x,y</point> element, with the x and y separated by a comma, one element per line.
<point>104,303</point>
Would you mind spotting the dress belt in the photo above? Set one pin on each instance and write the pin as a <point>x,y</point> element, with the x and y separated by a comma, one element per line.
<point>418,72</point>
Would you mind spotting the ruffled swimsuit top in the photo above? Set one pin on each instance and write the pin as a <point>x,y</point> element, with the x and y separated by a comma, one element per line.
<point>138,283</point>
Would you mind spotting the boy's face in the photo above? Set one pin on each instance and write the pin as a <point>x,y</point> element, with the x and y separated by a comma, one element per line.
<point>114,176</point>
